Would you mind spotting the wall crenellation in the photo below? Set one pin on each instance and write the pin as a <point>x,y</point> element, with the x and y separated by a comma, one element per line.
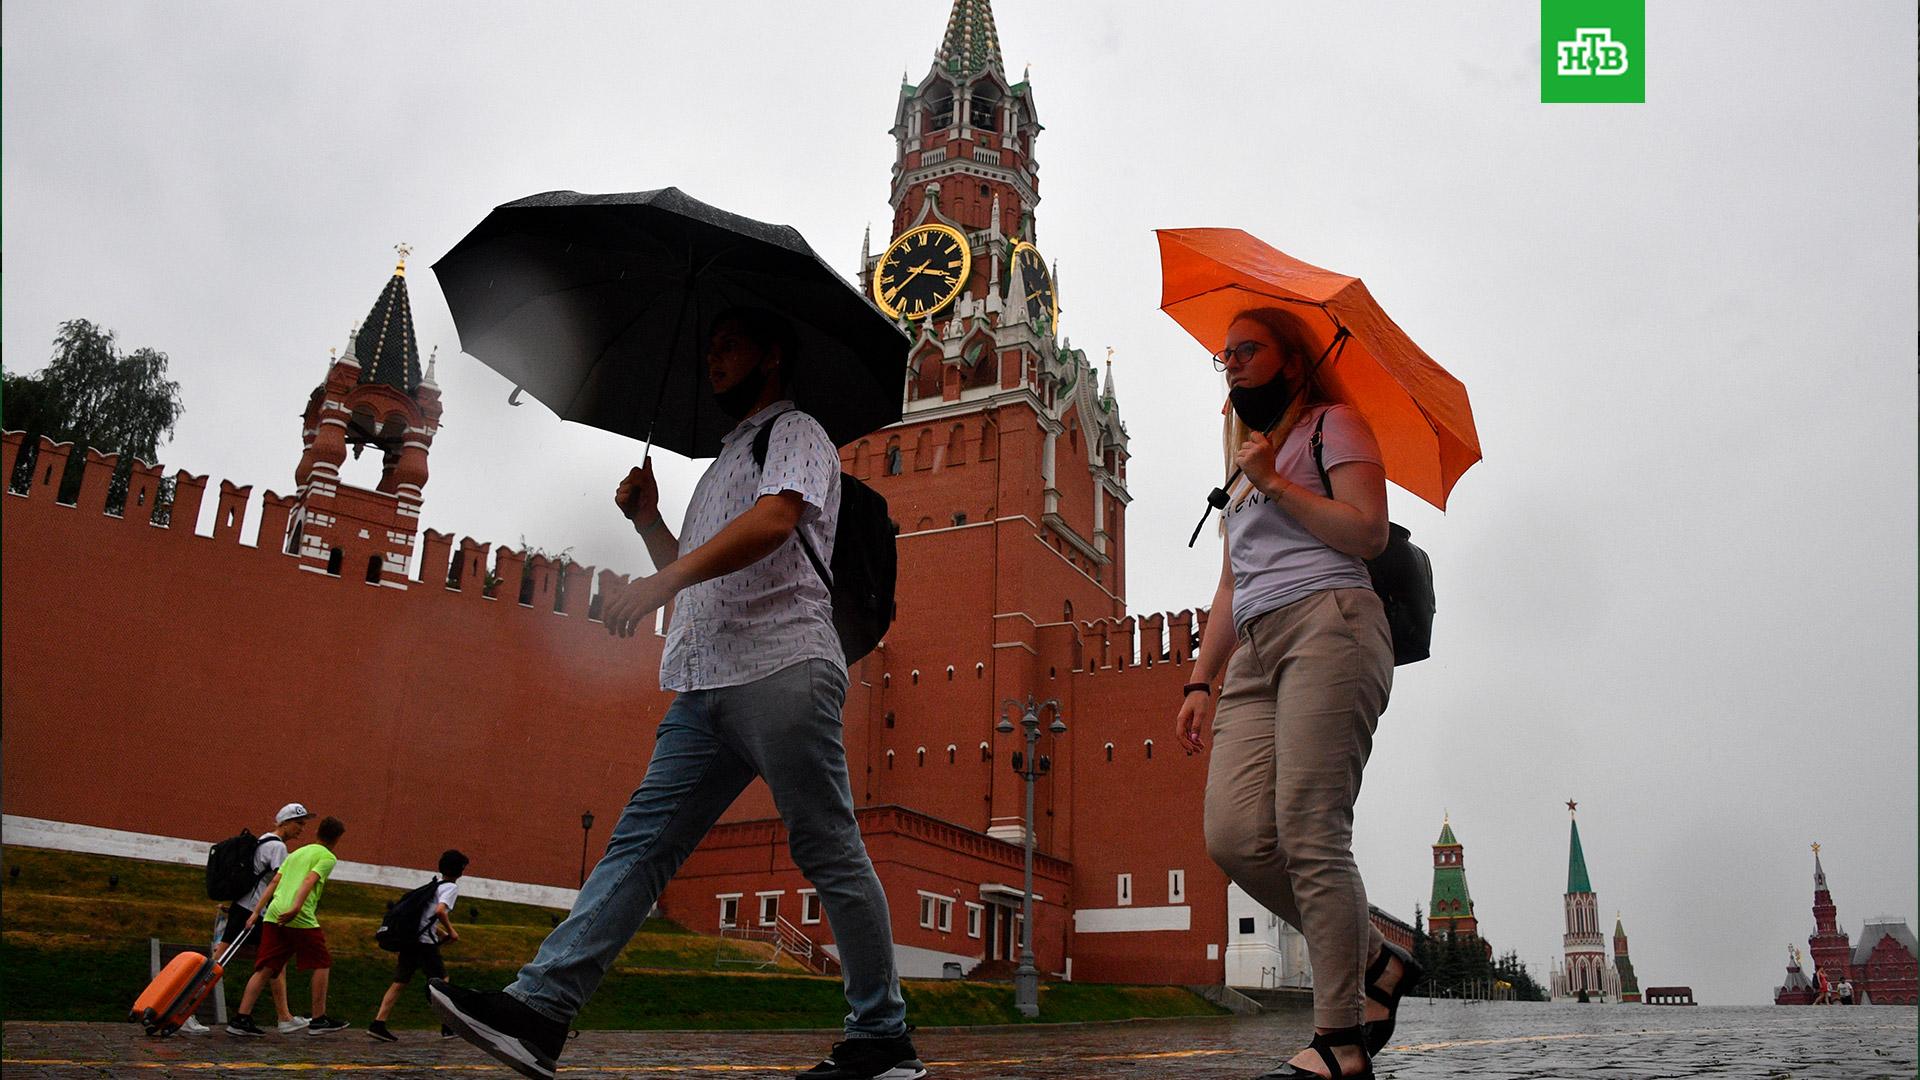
<point>1141,640</point>
<point>554,586</point>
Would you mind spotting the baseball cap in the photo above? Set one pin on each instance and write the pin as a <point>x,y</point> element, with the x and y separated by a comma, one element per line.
<point>291,812</point>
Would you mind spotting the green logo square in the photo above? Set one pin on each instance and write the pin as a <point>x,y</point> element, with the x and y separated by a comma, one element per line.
<point>1593,50</point>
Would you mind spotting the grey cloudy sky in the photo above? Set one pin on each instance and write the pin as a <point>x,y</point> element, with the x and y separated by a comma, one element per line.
<point>1680,588</point>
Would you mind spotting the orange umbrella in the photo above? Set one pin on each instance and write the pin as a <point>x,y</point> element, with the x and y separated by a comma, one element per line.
<point>1418,412</point>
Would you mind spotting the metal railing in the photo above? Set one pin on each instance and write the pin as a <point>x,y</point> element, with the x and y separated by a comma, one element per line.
<point>785,938</point>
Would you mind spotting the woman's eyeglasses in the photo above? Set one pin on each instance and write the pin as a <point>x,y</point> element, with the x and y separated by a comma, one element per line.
<point>1241,352</point>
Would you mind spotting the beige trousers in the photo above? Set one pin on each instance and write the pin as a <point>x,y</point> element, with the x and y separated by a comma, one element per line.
<point>1304,689</point>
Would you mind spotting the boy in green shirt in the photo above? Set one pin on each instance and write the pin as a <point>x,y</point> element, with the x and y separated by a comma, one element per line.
<point>290,930</point>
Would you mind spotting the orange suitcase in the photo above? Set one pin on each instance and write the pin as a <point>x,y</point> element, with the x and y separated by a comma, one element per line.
<point>176,993</point>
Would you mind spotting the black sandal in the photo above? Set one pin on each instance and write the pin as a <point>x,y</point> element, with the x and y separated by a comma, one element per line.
<point>1380,1032</point>
<point>1324,1042</point>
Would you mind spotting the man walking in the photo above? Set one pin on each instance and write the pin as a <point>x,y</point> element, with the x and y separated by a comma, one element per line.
<point>760,678</point>
<point>290,930</point>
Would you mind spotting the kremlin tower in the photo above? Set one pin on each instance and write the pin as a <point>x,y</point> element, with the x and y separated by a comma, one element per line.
<point>1623,964</point>
<point>1587,974</point>
<point>373,397</point>
<point>1451,913</point>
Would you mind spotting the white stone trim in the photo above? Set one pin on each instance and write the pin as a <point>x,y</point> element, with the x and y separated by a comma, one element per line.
<point>1132,920</point>
<point>93,840</point>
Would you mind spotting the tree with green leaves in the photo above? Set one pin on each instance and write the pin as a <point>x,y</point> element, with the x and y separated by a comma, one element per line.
<point>96,397</point>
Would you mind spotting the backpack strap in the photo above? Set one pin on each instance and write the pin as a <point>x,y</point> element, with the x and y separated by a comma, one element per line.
<point>1319,446</point>
<point>760,443</point>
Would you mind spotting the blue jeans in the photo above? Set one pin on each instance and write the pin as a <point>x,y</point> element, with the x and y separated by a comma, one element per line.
<point>784,728</point>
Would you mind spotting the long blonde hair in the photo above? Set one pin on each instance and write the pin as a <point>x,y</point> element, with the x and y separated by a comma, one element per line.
<point>1296,345</point>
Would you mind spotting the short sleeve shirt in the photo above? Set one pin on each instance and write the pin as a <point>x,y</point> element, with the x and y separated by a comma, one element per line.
<point>1275,560</point>
<point>267,857</point>
<point>447,894</point>
<point>315,859</point>
<point>744,626</point>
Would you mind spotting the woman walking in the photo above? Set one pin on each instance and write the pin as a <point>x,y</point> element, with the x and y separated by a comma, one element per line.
<point>1308,662</point>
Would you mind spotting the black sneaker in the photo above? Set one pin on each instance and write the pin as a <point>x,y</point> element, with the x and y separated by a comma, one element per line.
<point>870,1059</point>
<point>378,1030</point>
<point>322,1025</point>
<point>448,1033</point>
<point>242,1024</point>
<point>502,1025</point>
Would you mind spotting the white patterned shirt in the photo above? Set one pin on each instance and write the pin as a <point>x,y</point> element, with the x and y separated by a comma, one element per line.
<point>746,625</point>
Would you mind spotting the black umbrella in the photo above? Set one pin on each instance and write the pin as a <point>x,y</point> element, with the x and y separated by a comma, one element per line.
<point>600,305</point>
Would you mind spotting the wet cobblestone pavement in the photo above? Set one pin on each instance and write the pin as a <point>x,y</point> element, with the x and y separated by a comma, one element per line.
<point>1487,1041</point>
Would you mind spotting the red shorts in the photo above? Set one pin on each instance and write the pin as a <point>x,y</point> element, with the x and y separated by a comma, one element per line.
<point>278,944</point>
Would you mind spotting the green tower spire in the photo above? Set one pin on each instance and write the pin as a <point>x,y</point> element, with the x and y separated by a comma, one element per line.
<point>971,44</point>
<point>1576,860</point>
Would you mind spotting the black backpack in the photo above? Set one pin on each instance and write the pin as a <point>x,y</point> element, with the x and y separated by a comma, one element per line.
<point>230,873</point>
<point>1402,576</point>
<point>865,564</point>
<point>406,918</point>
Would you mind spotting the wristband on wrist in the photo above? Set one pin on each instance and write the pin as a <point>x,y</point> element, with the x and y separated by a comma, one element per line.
<point>658,519</point>
<point>1204,688</point>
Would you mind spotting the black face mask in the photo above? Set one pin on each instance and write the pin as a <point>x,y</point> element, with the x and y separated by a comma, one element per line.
<point>1259,406</point>
<point>738,399</point>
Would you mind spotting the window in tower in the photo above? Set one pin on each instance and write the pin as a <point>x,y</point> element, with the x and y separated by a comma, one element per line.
<point>373,570</point>
<point>893,460</point>
<point>333,562</point>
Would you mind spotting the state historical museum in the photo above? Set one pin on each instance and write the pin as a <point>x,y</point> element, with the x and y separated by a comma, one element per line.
<point>476,702</point>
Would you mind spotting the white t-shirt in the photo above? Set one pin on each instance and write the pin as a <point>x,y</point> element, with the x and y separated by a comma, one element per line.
<point>1275,559</point>
<point>266,859</point>
<point>449,894</point>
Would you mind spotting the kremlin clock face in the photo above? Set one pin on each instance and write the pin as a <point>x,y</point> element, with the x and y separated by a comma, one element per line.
<point>922,272</point>
<point>1042,305</point>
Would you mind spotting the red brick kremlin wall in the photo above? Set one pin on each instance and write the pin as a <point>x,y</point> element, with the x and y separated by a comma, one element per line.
<point>164,682</point>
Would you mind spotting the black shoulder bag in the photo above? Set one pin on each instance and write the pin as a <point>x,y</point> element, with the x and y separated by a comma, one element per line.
<point>1402,576</point>
<point>861,581</point>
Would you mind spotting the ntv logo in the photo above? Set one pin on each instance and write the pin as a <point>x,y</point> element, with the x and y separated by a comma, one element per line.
<point>1580,39</point>
<point>1592,52</point>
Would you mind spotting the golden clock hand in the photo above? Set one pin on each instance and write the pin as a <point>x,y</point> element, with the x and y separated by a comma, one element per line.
<point>911,274</point>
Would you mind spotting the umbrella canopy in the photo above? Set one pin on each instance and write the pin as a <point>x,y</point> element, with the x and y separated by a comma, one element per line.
<point>1418,412</point>
<point>600,307</point>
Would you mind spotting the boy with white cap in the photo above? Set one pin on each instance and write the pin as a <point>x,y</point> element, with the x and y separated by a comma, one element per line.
<point>288,824</point>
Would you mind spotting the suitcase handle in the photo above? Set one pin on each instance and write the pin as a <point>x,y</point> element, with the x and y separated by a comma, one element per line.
<point>235,947</point>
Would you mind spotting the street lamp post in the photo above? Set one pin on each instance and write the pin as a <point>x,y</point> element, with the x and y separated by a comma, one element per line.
<point>586,830</point>
<point>1030,767</point>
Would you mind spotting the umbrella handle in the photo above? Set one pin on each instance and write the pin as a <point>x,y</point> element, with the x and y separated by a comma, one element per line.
<point>514,398</point>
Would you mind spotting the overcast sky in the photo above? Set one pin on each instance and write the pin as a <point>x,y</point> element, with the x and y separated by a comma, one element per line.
<point>1680,589</point>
